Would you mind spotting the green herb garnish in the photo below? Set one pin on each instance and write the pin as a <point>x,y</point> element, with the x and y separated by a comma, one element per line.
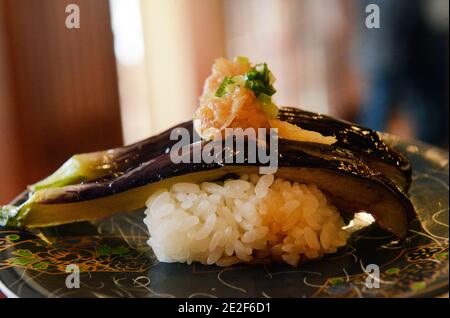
<point>223,86</point>
<point>259,79</point>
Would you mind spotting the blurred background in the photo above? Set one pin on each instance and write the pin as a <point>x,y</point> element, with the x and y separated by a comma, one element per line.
<point>136,67</point>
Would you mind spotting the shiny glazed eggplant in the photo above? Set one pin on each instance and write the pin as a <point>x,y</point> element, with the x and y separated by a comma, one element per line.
<point>358,139</point>
<point>338,172</point>
<point>111,163</point>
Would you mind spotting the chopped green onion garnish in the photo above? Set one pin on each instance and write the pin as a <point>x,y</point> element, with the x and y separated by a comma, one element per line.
<point>259,80</point>
<point>222,88</point>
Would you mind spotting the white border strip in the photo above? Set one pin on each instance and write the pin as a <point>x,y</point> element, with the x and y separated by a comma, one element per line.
<point>8,293</point>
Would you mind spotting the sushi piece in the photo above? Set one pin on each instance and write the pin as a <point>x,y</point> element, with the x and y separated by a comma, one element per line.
<point>336,171</point>
<point>225,211</point>
<point>293,216</point>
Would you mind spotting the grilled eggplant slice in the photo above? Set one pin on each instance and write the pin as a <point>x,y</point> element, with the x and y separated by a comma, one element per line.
<point>358,139</point>
<point>336,171</point>
<point>110,163</point>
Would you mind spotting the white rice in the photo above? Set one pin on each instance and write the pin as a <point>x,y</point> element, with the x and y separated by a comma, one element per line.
<point>242,220</point>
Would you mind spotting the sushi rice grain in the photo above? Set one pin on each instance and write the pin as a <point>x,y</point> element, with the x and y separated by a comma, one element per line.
<point>243,220</point>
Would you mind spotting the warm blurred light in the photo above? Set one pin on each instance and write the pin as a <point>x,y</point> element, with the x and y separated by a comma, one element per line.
<point>164,52</point>
<point>293,37</point>
<point>169,61</point>
<point>130,58</point>
<point>127,28</point>
<point>323,57</point>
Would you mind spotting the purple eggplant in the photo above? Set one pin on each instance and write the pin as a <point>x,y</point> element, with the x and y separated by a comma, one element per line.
<point>363,141</point>
<point>111,163</point>
<point>337,171</point>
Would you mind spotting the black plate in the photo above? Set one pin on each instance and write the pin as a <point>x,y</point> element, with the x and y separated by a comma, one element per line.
<point>115,261</point>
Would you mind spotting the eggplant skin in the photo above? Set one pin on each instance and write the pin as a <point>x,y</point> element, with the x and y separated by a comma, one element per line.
<point>358,139</point>
<point>350,183</point>
<point>107,165</point>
